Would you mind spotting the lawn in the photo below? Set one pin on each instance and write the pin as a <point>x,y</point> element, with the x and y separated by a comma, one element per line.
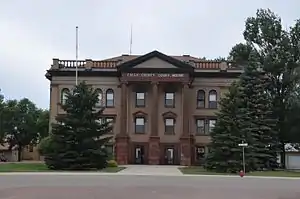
<point>41,167</point>
<point>202,171</point>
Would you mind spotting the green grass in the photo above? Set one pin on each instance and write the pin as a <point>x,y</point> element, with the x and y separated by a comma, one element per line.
<point>202,171</point>
<point>41,167</point>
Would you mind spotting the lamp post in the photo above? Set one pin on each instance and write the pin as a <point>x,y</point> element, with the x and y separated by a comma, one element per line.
<point>243,145</point>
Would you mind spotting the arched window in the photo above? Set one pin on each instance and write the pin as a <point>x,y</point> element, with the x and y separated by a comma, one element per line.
<point>64,95</point>
<point>140,122</point>
<point>169,120</point>
<point>110,98</point>
<point>100,97</point>
<point>201,99</point>
<point>212,97</point>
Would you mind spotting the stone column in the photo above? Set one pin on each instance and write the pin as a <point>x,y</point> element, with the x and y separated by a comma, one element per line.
<point>186,140</point>
<point>154,140</point>
<point>185,110</point>
<point>154,110</point>
<point>122,138</point>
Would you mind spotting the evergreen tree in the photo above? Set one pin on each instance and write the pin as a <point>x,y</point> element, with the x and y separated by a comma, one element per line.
<point>279,54</point>
<point>225,154</point>
<point>255,115</point>
<point>78,139</point>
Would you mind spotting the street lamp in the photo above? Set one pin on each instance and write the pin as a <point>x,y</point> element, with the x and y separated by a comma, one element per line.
<point>243,145</point>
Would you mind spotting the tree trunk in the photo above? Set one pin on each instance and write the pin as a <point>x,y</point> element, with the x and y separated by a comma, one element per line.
<point>20,153</point>
<point>282,158</point>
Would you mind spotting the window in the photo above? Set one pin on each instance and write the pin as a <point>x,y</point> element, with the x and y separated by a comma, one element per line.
<point>139,125</point>
<point>110,151</point>
<point>169,100</point>
<point>140,99</point>
<point>64,95</point>
<point>110,98</point>
<point>100,98</point>
<point>169,125</point>
<point>211,125</point>
<point>110,120</point>
<point>212,96</point>
<point>201,99</point>
<point>30,148</point>
<point>200,126</point>
<point>200,153</point>
<point>100,121</point>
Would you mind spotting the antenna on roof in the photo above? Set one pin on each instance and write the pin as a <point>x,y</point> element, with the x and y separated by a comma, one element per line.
<point>130,47</point>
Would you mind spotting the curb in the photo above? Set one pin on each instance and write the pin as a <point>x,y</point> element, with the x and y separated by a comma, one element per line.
<point>136,174</point>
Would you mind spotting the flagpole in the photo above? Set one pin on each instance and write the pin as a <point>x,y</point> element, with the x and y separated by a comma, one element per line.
<point>130,46</point>
<point>76,78</point>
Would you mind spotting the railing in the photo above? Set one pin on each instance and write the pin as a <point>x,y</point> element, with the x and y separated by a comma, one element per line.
<point>88,63</point>
<point>104,64</point>
<point>71,63</point>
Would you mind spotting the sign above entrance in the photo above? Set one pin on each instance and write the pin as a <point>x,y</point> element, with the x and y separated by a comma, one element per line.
<point>162,77</point>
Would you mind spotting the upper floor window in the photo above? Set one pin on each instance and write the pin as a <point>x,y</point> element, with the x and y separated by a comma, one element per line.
<point>211,125</point>
<point>139,125</point>
<point>169,125</point>
<point>64,95</point>
<point>110,98</point>
<point>140,99</point>
<point>100,98</point>
<point>201,99</point>
<point>200,126</point>
<point>170,99</point>
<point>212,99</point>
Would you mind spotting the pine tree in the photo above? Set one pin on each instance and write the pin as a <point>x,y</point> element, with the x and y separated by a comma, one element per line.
<point>225,154</point>
<point>255,116</point>
<point>78,139</point>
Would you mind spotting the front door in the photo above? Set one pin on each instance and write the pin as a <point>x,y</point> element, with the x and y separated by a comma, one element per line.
<point>169,155</point>
<point>139,153</point>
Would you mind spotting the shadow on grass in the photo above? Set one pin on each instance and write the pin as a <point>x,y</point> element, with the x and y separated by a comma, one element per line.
<point>201,171</point>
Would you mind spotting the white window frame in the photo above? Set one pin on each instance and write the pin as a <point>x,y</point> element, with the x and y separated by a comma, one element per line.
<point>198,123</point>
<point>140,96</point>
<point>211,124</point>
<point>170,96</point>
<point>212,97</point>
<point>141,119</point>
<point>171,122</point>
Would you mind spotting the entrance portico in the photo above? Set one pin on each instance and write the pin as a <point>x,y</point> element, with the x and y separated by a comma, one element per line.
<point>168,76</point>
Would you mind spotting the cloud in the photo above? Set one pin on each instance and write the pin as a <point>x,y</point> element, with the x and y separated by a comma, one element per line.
<point>33,32</point>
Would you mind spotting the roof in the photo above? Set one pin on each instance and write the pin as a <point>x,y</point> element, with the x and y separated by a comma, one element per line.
<point>115,62</point>
<point>5,147</point>
<point>292,147</point>
<point>138,60</point>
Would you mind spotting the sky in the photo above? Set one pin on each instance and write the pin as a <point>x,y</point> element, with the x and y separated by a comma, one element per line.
<point>33,32</point>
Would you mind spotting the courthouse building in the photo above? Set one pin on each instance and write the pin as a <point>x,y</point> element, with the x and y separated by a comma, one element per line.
<point>163,107</point>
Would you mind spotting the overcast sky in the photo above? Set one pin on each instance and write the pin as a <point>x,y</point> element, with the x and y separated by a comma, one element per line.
<point>32,32</point>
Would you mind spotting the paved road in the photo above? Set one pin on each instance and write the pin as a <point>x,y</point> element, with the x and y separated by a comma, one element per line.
<point>53,186</point>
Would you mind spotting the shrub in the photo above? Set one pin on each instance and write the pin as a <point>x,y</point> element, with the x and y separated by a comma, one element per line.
<point>45,145</point>
<point>112,163</point>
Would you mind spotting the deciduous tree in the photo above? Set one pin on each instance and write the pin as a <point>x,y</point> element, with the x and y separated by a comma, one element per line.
<point>20,122</point>
<point>278,51</point>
